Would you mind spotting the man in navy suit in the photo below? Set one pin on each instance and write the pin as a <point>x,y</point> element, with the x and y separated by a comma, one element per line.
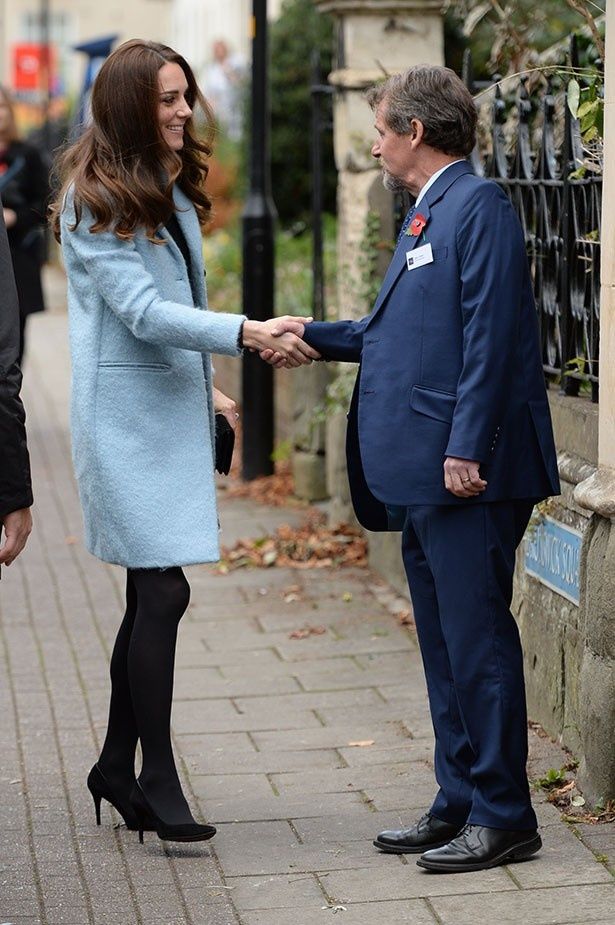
<point>450,439</point>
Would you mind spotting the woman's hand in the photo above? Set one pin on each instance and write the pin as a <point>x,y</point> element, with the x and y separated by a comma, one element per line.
<point>290,349</point>
<point>226,406</point>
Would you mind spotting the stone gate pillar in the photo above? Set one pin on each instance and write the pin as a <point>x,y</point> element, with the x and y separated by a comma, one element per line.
<point>597,494</point>
<point>374,38</point>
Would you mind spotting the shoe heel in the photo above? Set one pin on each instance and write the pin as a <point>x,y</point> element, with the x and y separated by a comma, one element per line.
<point>140,825</point>
<point>97,800</point>
<point>140,811</point>
<point>97,795</point>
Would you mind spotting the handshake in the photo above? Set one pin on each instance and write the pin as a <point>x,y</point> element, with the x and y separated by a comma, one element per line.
<point>279,341</point>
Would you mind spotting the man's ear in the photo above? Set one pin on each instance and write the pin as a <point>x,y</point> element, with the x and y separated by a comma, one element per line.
<point>417,131</point>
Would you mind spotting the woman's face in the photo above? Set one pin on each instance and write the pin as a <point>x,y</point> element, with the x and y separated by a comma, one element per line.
<point>173,108</point>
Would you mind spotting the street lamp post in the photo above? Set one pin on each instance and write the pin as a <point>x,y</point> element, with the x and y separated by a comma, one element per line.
<point>47,76</point>
<point>258,263</point>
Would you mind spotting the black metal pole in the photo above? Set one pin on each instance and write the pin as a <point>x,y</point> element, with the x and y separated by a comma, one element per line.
<point>46,63</point>
<point>318,287</point>
<point>258,263</point>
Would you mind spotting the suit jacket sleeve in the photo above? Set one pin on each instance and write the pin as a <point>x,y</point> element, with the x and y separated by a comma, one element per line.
<point>337,340</point>
<point>118,272</point>
<point>492,260</point>
<point>15,484</point>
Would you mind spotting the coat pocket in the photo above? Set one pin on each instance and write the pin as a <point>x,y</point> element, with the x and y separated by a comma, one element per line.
<point>153,367</point>
<point>433,402</point>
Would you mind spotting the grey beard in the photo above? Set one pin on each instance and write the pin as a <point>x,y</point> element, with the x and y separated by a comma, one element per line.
<point>394,184</point>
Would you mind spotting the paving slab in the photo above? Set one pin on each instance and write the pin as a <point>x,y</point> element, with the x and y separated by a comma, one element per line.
<point>414,912</point>
<point>574,905</point>
<point>407,881</point>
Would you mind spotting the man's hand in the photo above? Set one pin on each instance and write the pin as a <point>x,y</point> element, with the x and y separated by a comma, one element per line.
<point>17,527</point>
<point>226,406</point>
<point>278,341</point>
<point>462,477</point>
<point>288,323</point>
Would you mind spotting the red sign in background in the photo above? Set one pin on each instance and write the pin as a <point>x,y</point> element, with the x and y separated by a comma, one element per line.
<point>32,63</point>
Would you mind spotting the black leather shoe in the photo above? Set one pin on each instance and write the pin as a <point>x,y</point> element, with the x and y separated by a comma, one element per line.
<point>429,832</point>
<point>478,847</point>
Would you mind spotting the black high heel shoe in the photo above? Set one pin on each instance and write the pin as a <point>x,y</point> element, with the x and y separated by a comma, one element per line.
<point>148,820</point>
<point>100,788</point>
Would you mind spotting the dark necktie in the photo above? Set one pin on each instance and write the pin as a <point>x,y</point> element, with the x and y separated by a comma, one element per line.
<point>406,223</point>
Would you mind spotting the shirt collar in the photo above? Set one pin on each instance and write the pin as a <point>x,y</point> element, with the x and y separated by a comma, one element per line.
<point>433,179</point>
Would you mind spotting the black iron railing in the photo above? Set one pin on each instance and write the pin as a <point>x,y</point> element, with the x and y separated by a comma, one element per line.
<point>560,215</point>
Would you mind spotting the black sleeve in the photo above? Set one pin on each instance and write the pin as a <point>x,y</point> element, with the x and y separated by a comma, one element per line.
<point>15,484</point>
<point>31,211</point>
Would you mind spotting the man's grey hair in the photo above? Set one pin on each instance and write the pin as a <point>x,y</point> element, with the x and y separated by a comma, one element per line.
<point>437,98</point>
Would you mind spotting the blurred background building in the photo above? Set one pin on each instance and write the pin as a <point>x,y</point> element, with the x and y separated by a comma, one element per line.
<point>37,39</point>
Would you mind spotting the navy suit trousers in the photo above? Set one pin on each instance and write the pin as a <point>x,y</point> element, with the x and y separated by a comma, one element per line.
<point>460,562</point>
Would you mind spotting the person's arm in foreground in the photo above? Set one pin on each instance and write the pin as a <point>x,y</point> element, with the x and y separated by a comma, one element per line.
<point>15,485</point>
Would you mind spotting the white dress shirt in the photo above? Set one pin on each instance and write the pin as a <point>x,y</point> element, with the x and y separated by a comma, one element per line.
<point>433,179</point>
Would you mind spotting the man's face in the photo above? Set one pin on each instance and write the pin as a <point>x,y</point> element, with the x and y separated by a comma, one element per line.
<point>394,152</point>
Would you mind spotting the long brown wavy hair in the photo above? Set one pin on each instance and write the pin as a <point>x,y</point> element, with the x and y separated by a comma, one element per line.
<point>121,168</point>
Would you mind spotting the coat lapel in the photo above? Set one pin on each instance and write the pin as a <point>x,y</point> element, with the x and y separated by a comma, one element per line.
<point>408,242</point>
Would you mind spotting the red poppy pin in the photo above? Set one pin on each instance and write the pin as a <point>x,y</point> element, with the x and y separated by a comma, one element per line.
<point>416,225</point>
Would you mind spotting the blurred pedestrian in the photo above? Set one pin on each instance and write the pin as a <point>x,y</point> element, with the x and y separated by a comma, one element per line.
<point>24,188</point>
<point>223,81</point>
<point>15,487</point>
<point>130,214</point>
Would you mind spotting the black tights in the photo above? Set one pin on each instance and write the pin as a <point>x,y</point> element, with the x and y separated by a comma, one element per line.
<point>142,667</point>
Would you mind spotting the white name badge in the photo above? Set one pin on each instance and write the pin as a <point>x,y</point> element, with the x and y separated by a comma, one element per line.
<point>419,256</point>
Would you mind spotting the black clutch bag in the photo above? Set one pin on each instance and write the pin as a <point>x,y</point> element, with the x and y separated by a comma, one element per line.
<point>225,443</point>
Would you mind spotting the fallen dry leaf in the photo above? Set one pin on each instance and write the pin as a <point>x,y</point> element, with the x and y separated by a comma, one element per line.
<point>276,490</point>
<point>405,618</point>
<point>306,631</point>
<point>312,544</point>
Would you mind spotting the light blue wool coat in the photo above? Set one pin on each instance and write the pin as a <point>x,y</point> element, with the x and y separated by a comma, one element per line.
<point>142,404</point>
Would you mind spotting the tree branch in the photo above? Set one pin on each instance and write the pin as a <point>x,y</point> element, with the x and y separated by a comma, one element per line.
<point>580,7</point>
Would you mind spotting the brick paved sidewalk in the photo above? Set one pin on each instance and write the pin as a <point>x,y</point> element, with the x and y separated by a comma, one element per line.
<point>266,728</point>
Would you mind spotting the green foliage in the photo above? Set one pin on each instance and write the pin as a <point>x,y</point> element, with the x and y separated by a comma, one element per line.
<point>506,36</point>
<point>552,779</point>
<point>338,394</point>
<point>299,30</point>
<point>293,283</point>
<point>339,390</point>
<point>368,260</point>
<point>587,105</point>
<point>509,36</point>
<point>282,451</point>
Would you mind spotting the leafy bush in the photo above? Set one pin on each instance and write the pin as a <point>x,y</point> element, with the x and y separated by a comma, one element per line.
<point>293,269</point>
<point>294,35</point>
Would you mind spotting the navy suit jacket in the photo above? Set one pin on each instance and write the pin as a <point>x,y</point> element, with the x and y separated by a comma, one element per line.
<point>450,361</point>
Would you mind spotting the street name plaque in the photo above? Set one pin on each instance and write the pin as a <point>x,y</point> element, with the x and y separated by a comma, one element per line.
<point>553,556</point>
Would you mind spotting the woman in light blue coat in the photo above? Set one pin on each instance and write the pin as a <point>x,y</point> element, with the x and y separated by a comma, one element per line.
<point>129,217</point>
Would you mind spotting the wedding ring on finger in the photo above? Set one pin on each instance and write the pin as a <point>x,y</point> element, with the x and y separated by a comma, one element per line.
<point>466,480</point>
